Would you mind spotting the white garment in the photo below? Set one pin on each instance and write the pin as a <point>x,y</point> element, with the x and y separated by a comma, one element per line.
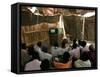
<point>36,48</point>
<point>55,51</point>
<point>64,50</point>
<point>33,65</point>
<point>75,52</point>
<point>80,63</point>
<point>80,47</point>
<point>42,54</point>
<point>85,49</point>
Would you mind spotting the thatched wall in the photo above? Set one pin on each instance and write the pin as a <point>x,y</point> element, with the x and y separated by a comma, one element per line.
<point>73,27</point>
<point>72,24</point>
<point>31,19</point>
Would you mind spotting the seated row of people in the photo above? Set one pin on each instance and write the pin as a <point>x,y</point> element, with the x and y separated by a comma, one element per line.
<point>86,52</point>
<point>37,57</point>
<point>66,62</point>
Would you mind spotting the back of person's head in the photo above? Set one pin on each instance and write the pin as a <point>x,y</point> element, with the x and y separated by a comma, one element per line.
<point>64,41</point>
<point>74,41</point>
<point>39,44</point>
<point>55,44</point>
<point>66,57</point>
<point>45,65</point>
<point>30,50</point>
<point>74,46</point>
<point>79,42</point>
<point>35,55</point>
<point>63,45</point>
<point>23,46</point>
<point>45,49</point>
<point>84,43</point>
<point>91,48</point>
<point>84,56</point>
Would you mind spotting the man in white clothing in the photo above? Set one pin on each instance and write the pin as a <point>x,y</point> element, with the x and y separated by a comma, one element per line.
<point>85,47</point>
<point>83,61</point>
<point>43,52</point>
<point>75,52</point>
<point>34,64</point>
<point>56,50</point>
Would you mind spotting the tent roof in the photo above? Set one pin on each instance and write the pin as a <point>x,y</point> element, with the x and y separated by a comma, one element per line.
<point>29,18</point>
<point>57,11</point>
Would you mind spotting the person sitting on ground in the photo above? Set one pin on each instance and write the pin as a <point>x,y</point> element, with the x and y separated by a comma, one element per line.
<point>64,63</point>
<point>80,44</point>
<point>83,61</point>
<point>38,46</point>
<point>45,65</point>
<point>74,41</point>
<point>44,53</point>
<point>75,52</point>
<point>85,47</point>
<point>34,64</point>
<point>24,55</point>
<point>65,46</point>
<point>30,51</point>
<point>92,56</point>
<point>56,50</point>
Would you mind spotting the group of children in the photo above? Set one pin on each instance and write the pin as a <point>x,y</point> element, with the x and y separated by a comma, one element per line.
<point>42,57</point>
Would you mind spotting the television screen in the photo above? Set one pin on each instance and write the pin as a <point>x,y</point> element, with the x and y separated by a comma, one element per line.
<point>53,31</point>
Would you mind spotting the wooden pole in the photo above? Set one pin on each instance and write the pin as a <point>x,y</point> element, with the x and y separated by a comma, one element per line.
<point>83,27</point>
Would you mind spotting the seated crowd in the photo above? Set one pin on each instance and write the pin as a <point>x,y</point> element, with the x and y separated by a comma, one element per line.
<point>41,57</point>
